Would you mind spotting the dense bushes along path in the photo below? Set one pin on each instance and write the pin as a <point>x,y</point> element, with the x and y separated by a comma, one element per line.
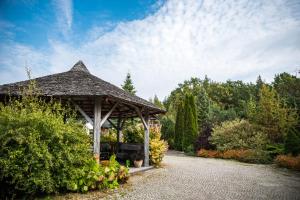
<point>186,177</point>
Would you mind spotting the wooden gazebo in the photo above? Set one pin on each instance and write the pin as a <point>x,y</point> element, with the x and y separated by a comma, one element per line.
<point>96,100</point>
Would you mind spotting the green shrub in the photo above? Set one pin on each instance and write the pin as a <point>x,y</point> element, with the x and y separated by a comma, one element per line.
<point>134,134</point>
<point>113,174</point>
<point>275,149</point>
<point>237,134</point>
<point>41,152</point>
<point>190,150</point>
<point>292,142</point>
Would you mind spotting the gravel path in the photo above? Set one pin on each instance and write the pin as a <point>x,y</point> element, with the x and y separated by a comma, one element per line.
<point>184,177</point>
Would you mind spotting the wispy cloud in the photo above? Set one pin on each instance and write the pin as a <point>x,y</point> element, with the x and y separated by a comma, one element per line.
<point>64,14</point>
<point>225,40</point>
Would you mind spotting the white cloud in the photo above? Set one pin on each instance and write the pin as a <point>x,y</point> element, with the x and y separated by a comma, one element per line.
<point>64,14</point>
<point>184,38</point>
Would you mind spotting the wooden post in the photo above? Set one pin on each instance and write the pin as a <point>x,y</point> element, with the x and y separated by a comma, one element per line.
<point>97,128</point>
<point>146,141</point>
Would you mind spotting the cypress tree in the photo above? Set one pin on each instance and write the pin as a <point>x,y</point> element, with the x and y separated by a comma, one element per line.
<point>179,128</point>
<point>190,122</point>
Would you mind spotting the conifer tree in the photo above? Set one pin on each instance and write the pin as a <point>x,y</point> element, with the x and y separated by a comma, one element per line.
<point>128,85</point>
<point>190,122</point>
<point>202,109</point>
<point>274,118</point>
<point>179,128</point>
<point>292,142</point>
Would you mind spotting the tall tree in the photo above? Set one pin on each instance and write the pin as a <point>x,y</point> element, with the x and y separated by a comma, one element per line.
<point>158,103</point>
<point>202,109</point>
<point>258,86</point>
<point>190,122</point>
<point>179,128</point>
<point>274,118</point>
<point>288,87</point>
<point>128,85</point>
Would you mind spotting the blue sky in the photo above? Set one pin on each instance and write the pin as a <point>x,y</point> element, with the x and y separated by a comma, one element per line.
<point>161,43</point>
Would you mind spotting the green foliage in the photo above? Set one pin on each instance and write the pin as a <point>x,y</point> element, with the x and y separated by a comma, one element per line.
<point>275,149</point>
<point>219,115</point>
<point>128,85</point>
<point>158,103</point>
<point>203,109</point>
<point>288,87</point>
<point>190,150</point>
<point>274,118</point>
<point>113,174</point>
<point>167,130</point>
<point>40,151</point>
<point>109,136</point>
<point>190,122</point>
<point>237,134</point>
<point>292,142</point>
<point>179,128</point>
<point>134,134</point>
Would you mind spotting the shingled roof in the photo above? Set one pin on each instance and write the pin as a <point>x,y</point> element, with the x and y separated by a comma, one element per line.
<point>78,81</point>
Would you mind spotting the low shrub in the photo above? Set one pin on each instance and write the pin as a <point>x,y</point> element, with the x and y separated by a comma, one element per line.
<point>288,161</point>
<point>190,150</point>
<point>113,174</point>
<point>249,156</point>
<point>238,134</point>
<point>275,149</point>
<point>292,142</point>
<point>209,153</point>
<point>158,147</point>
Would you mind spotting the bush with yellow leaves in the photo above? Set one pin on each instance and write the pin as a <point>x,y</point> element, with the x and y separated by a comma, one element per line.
<point>158,147</point>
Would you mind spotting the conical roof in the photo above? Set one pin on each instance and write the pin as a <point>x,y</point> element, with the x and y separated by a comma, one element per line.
<point>78,81</point>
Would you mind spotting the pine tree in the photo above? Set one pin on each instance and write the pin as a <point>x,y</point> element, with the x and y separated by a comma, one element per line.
<point>190,122</point>
<point>179,128</point>
<point>128,85</point>
<point>258,86</point>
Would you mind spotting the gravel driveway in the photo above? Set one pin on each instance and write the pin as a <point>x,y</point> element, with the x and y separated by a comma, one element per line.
<point>184,177</point>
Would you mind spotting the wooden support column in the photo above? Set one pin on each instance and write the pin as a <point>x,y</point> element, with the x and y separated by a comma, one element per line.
<point>146,140</point>
<point>145,121</point>
<point>120,126</point>
<point>97,128</point>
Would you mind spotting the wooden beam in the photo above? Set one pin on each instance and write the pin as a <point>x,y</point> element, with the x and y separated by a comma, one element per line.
<point>97,128</point>
<point>87,118</point>
<point>116,127</point>
<point>108,114</point>
<point>140,115</point>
